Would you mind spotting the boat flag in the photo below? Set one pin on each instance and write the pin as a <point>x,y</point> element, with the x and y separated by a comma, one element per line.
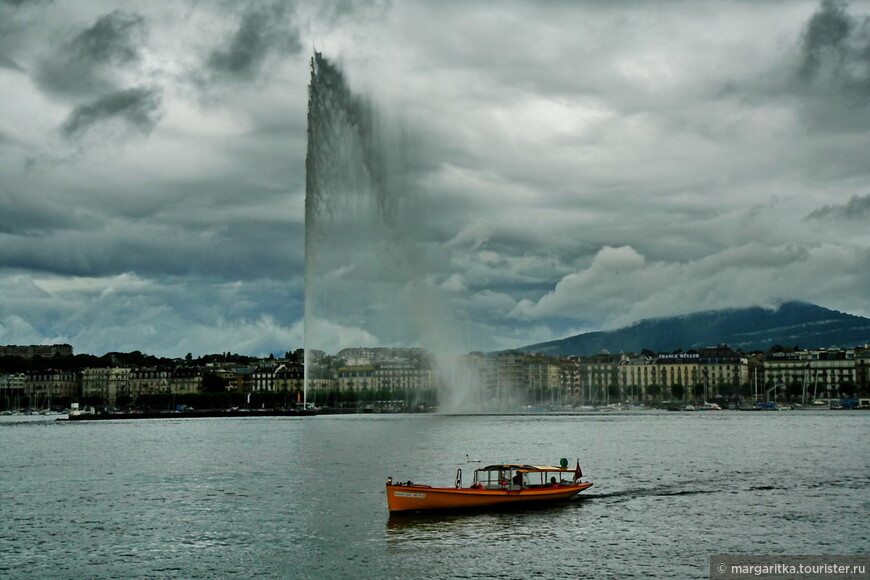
<point>578,473</point>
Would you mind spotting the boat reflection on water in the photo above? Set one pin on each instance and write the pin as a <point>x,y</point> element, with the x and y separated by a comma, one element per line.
<point>535,524</point>
<point>424,523</point>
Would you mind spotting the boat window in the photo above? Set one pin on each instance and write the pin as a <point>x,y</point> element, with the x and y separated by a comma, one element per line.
<point>492,479</point>
<point>545,478</point>
<point>535,478</point>
<point>499,478</point>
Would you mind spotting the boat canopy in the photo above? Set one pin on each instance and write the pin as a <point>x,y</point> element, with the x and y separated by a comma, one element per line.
<point>523,468</point>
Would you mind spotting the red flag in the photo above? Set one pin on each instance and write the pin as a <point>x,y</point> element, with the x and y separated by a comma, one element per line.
<point>578,473</point>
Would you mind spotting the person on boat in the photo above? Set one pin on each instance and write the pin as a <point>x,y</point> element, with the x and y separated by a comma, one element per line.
<point>518,479</point>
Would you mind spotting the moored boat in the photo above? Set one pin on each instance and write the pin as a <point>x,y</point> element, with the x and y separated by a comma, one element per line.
<point>493,486</point>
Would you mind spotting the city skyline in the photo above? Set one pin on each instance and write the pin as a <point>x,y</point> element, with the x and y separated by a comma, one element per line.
<point>594,164</point>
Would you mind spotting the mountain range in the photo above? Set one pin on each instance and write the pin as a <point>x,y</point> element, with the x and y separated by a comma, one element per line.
<point>748,329</point>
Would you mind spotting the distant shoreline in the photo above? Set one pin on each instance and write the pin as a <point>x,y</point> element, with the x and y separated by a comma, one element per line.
<point>188,414</point>
<point>306,413</point>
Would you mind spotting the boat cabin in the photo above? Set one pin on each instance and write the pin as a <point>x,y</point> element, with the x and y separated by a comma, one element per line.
<point>518,477</point>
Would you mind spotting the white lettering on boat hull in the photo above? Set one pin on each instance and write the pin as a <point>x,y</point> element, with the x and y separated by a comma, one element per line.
<point>406,494</point>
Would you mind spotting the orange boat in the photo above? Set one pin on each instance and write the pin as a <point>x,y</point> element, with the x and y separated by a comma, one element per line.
<point>493,486</point>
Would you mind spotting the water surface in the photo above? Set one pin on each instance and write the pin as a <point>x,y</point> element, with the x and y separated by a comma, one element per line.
<point>303,497</point>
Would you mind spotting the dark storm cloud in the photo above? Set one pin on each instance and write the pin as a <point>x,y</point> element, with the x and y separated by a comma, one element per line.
<point>95,246</point>
<point>335,12</point>
<point>137,108</point>
<point>110,40</point>
<point>13,29</point>
<point>835,50</point>
<point>826,32</point>
<point>7,62</point>
<point>19,3</point>
<point>29,215</point>
<point>593,163</point>
<point>261,32</point>
<point>857,208</point>
<point>92,61</point>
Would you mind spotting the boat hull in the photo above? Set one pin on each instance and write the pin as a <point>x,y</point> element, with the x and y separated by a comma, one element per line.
<point>410,498</point>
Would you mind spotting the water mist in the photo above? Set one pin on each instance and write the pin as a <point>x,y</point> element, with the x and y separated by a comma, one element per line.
<point>368,241</point>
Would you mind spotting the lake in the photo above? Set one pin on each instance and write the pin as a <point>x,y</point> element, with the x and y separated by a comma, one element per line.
<point>277,497</point>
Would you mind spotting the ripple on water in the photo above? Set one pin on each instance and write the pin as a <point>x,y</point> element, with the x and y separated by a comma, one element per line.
<point>304,499</point>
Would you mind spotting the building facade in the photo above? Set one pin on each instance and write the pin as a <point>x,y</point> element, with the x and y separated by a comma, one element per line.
<point>185,380</point>
<point>43,387</point>
<point>104,384</point>
<point>146,381</point>
<point>32,350</point>
<point>823,373</point>
<point>286,377</point>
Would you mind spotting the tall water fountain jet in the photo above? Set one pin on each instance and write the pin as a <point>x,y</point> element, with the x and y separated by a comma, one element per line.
<point>367,282</point>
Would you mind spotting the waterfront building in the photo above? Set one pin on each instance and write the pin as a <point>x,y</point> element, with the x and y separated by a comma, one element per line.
<point>361,356</point>
<point>104,384</point>
<point>862,369</point>
<point>225,376</point>
<point>682,370</point>
<point>13,381</point>
<point>32,350</point>
<point>147,381</point>
<point>355,377</point>
<point>833,371</point>
<point>509,379</point>
<point>12,390</point>
<point>782,369</point>
<point>186,380</point>
<point>287,376</point>
<point>538,380</point>
<point>504,378</point>
<point>708,373</point>
<point>570,380</point>
<point>723,372</point>
<point>639,376</point>
<point>402,376</point>
<point>544,381</point>
<point>823,373</point>
<point>43,387</point>
<point>312,356</point>
<point>290,377</point>
<point>263,379</point>
<point>320,378</point>
<point>599,379</point>
<point>394,375</point>
<point>242,379</point>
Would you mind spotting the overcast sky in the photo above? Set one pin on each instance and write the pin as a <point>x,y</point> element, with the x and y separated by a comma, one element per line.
<point>600,162</point>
